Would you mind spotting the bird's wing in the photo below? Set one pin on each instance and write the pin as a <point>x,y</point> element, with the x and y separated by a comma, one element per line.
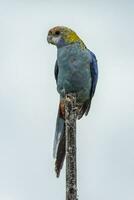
<point>58,123</point>
<point>56,70</point>
<point>94,76</point>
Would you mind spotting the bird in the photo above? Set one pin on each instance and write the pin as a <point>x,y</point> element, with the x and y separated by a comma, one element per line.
<point>75,71</point>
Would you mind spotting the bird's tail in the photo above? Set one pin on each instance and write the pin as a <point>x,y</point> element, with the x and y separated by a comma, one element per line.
<point>59,141</point>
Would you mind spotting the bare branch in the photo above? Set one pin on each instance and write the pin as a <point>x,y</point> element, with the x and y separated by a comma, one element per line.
<point>71,169</point>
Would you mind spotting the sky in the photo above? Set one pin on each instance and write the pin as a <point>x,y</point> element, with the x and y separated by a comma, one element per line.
<point>29,100</point>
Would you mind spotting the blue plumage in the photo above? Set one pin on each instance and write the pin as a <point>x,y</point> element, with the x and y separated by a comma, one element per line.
<point>76,71</point>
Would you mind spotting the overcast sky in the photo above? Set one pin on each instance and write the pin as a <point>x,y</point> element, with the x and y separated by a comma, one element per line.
<point>29,100</point>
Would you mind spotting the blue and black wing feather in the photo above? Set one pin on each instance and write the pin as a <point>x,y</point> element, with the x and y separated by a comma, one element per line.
<point>56,70</point>
<point>94,76</point>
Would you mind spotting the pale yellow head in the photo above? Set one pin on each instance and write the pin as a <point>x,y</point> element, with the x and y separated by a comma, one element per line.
<point>61,36</point>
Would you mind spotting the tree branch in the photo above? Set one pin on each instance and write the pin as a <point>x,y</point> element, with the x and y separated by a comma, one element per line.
<point>70,128</point>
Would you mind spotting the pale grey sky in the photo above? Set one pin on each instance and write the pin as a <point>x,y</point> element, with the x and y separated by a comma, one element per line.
<point>29,101</point>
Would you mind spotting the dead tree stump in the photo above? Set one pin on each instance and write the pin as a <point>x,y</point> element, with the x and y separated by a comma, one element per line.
<point>70,129</point>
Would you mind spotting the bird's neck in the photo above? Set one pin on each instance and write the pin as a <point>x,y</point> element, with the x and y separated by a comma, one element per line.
<point>80,44</point>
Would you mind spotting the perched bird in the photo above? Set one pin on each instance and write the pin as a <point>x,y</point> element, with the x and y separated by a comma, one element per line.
<point>76,71</point>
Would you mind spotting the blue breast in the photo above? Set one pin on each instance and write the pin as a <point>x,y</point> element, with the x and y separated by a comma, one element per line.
<point>74,71</point>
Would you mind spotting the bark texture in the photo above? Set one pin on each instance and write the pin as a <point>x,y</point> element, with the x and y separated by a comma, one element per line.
<point>70,131</point>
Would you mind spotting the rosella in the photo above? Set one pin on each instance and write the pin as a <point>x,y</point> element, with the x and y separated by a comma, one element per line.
<point>76,71</point>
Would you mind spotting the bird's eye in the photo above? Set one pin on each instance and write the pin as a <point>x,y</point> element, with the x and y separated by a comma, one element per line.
<point>57,32</point>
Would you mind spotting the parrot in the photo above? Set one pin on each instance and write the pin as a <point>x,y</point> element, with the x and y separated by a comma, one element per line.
<point>76,71</point>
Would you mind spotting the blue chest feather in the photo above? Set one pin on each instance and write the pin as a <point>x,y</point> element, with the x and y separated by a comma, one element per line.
<point>74,70</point>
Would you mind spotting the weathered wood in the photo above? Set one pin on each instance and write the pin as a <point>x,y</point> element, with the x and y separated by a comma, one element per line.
<point>70,128</point>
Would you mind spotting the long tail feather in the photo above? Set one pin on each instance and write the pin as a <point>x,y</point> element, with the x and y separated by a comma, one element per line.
<point>60,156</point>
<point>59,143</point>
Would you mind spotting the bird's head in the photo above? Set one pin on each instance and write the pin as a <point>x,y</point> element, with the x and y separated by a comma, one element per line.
<point>61,36</point>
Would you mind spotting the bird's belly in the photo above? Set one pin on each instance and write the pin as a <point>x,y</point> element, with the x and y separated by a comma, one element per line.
<point>74,74</point>
<point>74,80</point>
